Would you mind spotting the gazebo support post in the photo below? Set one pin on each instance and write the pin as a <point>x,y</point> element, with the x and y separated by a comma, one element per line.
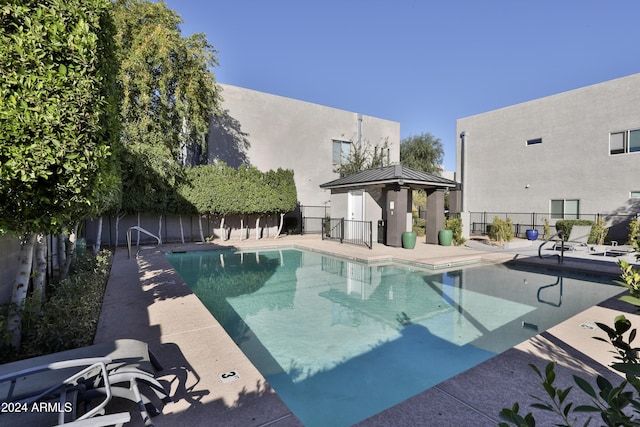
<point>435,215</point>
<point>397,201</point>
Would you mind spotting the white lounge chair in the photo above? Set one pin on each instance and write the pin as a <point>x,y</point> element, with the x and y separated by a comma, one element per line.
<point>613,249</point>
<point>578,238</point>
<point>129,363</point>
<point>45,395</point>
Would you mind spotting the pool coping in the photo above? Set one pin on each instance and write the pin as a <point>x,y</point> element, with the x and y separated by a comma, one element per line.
<point>146,299</point>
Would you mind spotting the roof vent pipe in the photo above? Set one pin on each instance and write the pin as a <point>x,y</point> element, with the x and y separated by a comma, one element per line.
<point>463,161</point>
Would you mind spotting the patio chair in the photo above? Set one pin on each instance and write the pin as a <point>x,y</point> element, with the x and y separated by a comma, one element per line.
<point>613,249</point>
<point>45,395</point>
<point>130,363</point>
<point>578,238</point>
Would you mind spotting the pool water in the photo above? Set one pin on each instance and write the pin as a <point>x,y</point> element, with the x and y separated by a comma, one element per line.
<point>340,341</point>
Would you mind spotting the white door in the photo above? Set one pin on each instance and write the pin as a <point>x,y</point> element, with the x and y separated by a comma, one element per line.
<point>356,205</point>
<point>356,213</point>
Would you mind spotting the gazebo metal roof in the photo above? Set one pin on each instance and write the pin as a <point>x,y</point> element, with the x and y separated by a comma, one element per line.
<point>394,174</point>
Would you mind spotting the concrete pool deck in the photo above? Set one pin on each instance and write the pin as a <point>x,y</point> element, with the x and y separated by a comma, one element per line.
<point>147,300</point>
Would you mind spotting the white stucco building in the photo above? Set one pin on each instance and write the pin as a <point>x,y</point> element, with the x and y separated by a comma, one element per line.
<point>570,155</point>
<point>287,133</point>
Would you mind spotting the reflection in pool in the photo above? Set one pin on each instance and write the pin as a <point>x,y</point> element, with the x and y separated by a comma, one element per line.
<point>340,341</point>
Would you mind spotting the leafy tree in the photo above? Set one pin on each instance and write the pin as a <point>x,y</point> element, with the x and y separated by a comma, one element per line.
<point>422,152</point>
<point>363,156</point>
<point>169,95</point>
<point>281,189</point>
<point>58,121</point>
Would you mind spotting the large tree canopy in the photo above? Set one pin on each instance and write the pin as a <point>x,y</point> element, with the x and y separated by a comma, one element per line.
<point>170,94</point>
<point>422,152</point>
<point>58,125</point>
<point>58,112</point>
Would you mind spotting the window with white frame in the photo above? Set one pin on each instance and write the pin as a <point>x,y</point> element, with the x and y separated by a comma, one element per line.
<point>627,141</point>
<point>565,209</point>
<point>341,153</point>
<point>634,194</point>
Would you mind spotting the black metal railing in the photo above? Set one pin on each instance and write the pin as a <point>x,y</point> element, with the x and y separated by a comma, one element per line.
<point>348,231</point>
<point>480,222</point>
<point>312,225</point>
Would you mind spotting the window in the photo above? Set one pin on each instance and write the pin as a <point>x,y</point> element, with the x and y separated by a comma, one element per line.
<point>634,194</point>
<point>341,152</point>
<point>534,141</point>
<point>565,209</point>
<point>627,141</point>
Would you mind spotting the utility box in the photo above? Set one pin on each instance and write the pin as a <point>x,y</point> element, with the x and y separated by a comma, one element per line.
<point>382,231</point>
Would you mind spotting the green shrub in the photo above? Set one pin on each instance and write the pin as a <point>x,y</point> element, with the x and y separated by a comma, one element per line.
<point>419,225</point>
<point>634,231</point>
<point>565,225</point>
<point>455,225</point>
<point>600,230</point>
<point>546,228</point>
<point>69,317</point>
<point>501,230</point>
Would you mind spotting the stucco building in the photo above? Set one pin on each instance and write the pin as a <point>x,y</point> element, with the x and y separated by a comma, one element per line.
<point>570,155</point>
<point>271,131</point>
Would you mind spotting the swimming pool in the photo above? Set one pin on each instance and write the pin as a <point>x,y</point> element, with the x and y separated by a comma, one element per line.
<point>340,341</point>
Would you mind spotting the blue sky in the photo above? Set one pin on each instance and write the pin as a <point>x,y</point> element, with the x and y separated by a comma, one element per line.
<point>421,63</point>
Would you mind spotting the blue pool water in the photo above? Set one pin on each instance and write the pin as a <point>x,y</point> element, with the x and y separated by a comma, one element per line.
<point>340,341</point>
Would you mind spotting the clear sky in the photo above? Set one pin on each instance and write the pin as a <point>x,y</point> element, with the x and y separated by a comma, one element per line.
<point>423,63</point>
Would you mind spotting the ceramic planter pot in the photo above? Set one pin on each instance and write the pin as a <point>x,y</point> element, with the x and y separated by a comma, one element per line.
<point>408,240</point>
<point>445,237</point>
<point>532,234</point>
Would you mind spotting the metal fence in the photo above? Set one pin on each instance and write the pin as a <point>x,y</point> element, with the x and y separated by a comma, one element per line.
<point>311,218</point>
<point>348,231</point>
<point>479,222</point>
<point>312,225</point>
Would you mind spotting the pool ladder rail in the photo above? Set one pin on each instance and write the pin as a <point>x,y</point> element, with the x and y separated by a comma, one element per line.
<point>141,230</point>
<point>561,255</point>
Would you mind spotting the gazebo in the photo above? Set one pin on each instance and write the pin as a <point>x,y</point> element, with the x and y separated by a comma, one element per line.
<point>383,195</point>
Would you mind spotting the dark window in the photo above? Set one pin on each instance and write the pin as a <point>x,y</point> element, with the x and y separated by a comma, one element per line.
<point>627,141</point>
<point>565,209</point>
<point>534,141</point>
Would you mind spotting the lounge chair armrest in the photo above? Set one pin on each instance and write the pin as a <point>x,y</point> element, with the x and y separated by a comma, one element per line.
<point>53,366</point>
<point>99,363</point>
<point>93,367</point>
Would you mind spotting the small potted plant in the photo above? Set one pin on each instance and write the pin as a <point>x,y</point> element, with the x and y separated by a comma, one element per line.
<point>409,239</point>
<point>445,236</point>
<point>532,234</point>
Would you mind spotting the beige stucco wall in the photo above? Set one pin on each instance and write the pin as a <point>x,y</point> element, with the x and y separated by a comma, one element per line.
<point>292,134</point>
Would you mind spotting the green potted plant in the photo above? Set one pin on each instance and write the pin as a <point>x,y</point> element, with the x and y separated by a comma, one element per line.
<point>409,239</point>
<point>445,236</point>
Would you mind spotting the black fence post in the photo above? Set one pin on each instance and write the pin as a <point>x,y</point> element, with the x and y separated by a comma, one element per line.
<point>341,230</point>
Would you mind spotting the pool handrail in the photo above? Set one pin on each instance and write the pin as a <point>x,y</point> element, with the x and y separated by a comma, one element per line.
<point>561,256</point>
<point>558,282</point>
<point>141,230</point>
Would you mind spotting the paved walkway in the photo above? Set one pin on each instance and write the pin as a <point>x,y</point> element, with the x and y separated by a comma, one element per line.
<point>146,299</point>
